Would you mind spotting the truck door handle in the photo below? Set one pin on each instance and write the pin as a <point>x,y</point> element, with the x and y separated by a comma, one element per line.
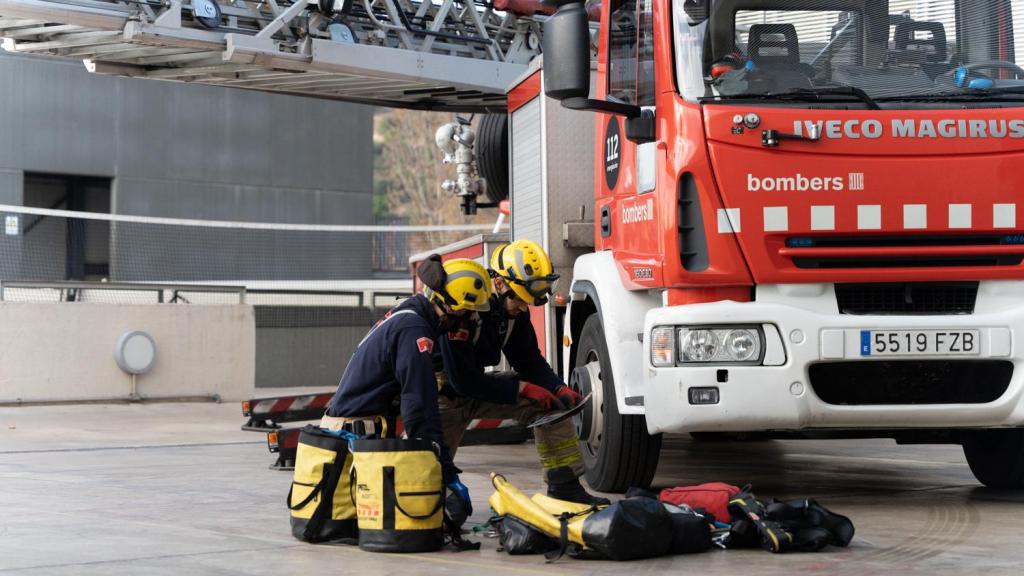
<point>606,222</point>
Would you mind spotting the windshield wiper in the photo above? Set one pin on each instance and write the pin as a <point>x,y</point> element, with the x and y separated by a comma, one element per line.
<point>997,93</point>
<point>805,94</point>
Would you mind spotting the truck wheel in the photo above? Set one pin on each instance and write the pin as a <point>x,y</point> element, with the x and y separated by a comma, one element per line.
<point>618,453</point>
<point>492,154</point>
<point>996,457</point>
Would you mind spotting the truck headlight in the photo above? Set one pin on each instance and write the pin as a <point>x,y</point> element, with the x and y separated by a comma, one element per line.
<point>663,346</point>
<point>721,345</point>
<point>698,345</point>
<point>742,345</point>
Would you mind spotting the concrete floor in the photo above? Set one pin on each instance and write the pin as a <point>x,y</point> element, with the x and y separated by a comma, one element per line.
<point>177,489</point>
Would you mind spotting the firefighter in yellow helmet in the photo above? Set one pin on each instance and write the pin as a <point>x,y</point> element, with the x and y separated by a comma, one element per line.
<point>523,276</point>
<point>395,361</point>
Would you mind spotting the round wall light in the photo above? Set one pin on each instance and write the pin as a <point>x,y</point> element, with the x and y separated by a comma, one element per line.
<point>135,352</point>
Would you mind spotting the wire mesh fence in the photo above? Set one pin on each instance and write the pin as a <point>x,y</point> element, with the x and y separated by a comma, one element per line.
<point>315,289</point>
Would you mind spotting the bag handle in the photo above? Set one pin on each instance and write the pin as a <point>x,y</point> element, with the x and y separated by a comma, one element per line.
<point>390,471</point>
<point>437,506</point>
<point>563,534</point>
<point>313,494</point>
<point>331,474</point>
<point>352,482</point>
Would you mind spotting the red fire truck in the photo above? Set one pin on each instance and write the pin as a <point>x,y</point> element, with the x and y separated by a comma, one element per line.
<point>783,217</point>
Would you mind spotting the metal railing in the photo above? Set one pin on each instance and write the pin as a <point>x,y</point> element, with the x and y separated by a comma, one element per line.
<point>364,298</point>
<point>69,290</point>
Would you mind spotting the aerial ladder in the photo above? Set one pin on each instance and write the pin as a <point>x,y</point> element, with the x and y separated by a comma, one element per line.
<point>448,55</point>
<point>451,55</point>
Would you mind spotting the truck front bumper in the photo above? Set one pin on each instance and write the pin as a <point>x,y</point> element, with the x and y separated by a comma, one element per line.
<point>803,329</point>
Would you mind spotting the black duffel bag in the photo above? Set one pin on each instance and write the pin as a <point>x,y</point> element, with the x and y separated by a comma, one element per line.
<point>516,537</point>
<point>630,529</point>
<point>691,532</point>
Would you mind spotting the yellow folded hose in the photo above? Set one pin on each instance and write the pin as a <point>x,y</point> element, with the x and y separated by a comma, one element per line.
<point>541,512</point>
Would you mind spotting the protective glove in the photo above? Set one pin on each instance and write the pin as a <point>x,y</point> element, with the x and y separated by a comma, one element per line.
<point>569,397</point>
<point>540,396</point>
<point>457,505</point>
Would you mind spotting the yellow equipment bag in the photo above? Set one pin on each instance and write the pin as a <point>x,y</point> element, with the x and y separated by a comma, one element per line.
<point>320,498</point>
<point>399,495</point>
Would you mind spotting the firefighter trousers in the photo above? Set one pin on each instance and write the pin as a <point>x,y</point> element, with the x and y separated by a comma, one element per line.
<point>557,444</point>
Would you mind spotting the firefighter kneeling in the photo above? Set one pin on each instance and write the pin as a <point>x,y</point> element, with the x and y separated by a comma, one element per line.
<point>396,499</point>
<point>522,277</point>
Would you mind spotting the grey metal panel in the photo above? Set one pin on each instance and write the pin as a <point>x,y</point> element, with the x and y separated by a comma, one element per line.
<point>56,117</point>
<point>570,179</point>
<point>11,182</point>
<point>179,150</point>
<point>241,202</point>
<point>60,118</point>
<point>314,356</point>
<point>527,178</point>
<point>217,254</point>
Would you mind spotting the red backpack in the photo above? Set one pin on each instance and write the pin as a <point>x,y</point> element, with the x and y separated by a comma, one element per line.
<point>712,497</point>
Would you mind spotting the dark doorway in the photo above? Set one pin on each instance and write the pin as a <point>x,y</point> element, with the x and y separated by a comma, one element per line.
<point>81,247</point>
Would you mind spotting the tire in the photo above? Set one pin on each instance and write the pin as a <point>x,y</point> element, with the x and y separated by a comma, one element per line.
<point>996,457</point>
<point>492,155</point>
<point>618,453</point>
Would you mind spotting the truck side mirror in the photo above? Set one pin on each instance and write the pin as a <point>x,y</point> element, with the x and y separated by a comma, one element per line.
<point>567,61</point>
<point>641,130</point>
<point>567,53</point>
<point>696,10</point>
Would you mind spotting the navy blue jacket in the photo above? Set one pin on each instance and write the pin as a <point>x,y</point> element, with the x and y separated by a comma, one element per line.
<point>395,361</point>
<point>475,345</point>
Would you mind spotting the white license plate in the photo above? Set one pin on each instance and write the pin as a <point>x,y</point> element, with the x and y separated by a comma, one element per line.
<point>920,343</point>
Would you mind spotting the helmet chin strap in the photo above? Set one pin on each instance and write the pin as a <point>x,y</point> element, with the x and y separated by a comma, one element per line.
<point>504,297</point>
<point>446,322</point>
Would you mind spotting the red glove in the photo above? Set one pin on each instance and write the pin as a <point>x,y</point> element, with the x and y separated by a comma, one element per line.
<point>568,396</point>
<point>540,396</point>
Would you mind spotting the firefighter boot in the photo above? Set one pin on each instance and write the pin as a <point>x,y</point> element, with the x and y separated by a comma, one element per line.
<point>564,485</point>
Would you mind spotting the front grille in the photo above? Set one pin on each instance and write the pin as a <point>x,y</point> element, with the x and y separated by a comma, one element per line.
<point>903,382</point>
<point>890,251</point>
<point>693,242</point>
<point>887,241</point>
<point>925,298</point>
<point>908,262</point>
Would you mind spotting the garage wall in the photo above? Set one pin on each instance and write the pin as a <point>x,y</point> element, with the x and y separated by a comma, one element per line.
<point>65,351</point>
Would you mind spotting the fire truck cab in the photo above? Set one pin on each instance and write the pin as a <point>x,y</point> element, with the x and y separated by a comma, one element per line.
<point>804,220</point>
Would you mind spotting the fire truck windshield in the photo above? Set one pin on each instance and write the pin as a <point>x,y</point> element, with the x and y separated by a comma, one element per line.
<point>900,52</point>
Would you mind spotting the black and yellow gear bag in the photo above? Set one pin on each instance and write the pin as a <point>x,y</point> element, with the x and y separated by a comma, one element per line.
<point>320,498</point>
<point>631,529</point>
<point>399,495</point>
<point>559,520</point>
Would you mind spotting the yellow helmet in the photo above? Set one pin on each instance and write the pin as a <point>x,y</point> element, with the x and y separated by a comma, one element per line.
<point>527,270</point>
<point>466,284</point>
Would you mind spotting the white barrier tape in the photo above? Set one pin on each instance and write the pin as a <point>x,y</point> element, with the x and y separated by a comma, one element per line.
<point>479,424</point>
<point>11,209</point>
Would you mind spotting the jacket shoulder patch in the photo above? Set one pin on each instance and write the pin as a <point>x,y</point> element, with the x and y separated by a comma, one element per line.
<point>425,344</point>
<point>460,335</point>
